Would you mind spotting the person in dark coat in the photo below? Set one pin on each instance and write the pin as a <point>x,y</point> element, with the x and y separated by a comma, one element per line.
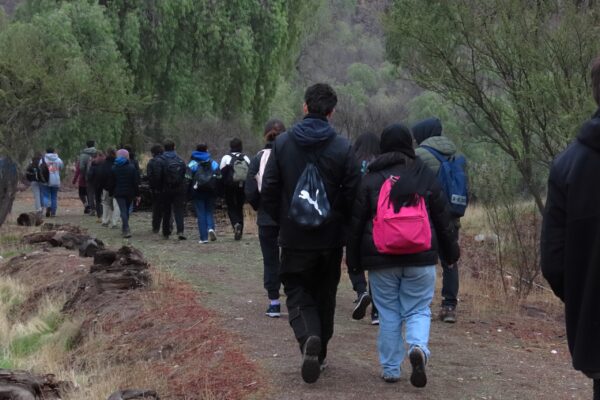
<point>155,180</point>
<point>402,284</point>
<point>570,241</point>
<point>174,190</point>
<point>124,187</point>
<point>92,180</point>
<point>110,208</point>
<point>268,230</point>
<point>234,191</point>
<point>311,258</point>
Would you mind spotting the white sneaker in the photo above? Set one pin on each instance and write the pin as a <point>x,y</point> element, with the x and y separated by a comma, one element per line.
<point>203,241</point>
<point>212,235</point>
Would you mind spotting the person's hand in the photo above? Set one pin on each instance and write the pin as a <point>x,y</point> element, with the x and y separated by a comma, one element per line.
<point>138,200</point>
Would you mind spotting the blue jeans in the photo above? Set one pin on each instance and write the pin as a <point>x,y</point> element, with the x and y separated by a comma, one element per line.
<point>50,198</point>
<point>124,205</point>
<point>402,295</point>
<point>205,206</point>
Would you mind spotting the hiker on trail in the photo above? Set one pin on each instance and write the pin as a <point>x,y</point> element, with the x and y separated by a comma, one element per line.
<point>234,169</point>
<point>34,176</point>
<point>174,190</point>
<point>434,148</point>
<point>401,256</point>
<point>103,178</point>
<point>308,188</point>
<point>204,175</point>
<point>268,229</point>
<point>50,166</point>
<point>79,180</point>
<point>84,162</point>
<point>92,181</point>
<point>366,149</point>
<point>570,240</point>
<point>133,160</point>
<point>154,174</point>
<point>124,187</point>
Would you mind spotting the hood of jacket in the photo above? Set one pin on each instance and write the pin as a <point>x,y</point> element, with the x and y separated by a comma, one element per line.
<point>170,154</point>
<point>442,144</point>
<point>427,128</point>
<point>121,161</point>
<point>388,160</point>
<point>589,134</point>
<point>51,157</point>
<point>312,130</point>
<point>90,151</point>
<point>200,156</point>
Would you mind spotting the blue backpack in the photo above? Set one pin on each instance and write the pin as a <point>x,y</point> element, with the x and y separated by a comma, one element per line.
<point>453,179</point>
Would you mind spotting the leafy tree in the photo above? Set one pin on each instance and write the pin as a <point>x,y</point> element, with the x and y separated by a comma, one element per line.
<point>518,69</point>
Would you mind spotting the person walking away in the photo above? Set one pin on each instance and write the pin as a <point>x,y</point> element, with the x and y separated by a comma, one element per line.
<point>570,240</point>
<point>204,174</point>
<point>435,150</point>
<point>84,163</point>
<point>234,169</point>
<point>308,188</point>
<point>133,160</point>
<point>79,180</point>
<point>124,187</point>
<point>174,190</point>
<point>366,149</point>
<point>400,217</point>
<point>154,174</point>
<point>34,176</point>
<point>92,181</point>
<point>50,166</point>
<point>110,209</point>
<point>268,230</point>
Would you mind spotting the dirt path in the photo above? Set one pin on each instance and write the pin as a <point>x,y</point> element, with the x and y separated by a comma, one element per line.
<point>472,359</point>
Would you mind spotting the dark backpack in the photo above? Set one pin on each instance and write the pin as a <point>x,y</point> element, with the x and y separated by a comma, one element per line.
<point>238,170</point>
<point>453,179</point>
<point>32,173</point>
<point>204,180</point>
<point>174,172</point>
<point>310,207</point>
<point>44,172</point>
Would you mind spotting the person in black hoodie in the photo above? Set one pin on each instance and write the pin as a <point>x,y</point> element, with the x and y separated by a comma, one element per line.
<point>92,181</point>
<point>110,208</point>
<point>124,187</point>
<point>311,258</point>
<point>402,283</point>
<point>268,230</point>
<point>570,240</point>
<point>154,174</point>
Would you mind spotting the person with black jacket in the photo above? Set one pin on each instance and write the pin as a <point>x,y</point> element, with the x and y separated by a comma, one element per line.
<point>402,283</point>
<point>154,175</point>
<point>110,208</point>
<point>570,240</point>
<point>92,181</point>
<point>33,174</point>
<point>268,230</point>
<point>174,190</point>
<point>311,258</point>
<point>124,187</point>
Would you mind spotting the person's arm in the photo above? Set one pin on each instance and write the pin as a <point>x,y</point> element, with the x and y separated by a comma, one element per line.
<point>350,183</point>
<point>553,235</point>
<point>360,215</point>
<point>225,161</point>
<point>77,173</point>
<point>111,183</point>
<point>443,224</point>
<point>251,186</point>
<point>136,183</point>
<point>270,195</point>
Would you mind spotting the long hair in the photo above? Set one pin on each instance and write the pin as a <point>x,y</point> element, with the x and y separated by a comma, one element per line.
<point>366,147</point>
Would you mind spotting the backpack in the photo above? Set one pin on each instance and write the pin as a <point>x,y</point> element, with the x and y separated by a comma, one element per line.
<point>453,179</point>
<point>44,172</point>
<point>204,179</point>
<point>174,172</point>
<point>238,170</point>
<point>406,232</point>
<point>264,159</point>
<point>310,207</point>
<point>31,173</point>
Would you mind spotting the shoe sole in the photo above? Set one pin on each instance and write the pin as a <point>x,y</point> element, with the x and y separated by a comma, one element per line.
<point>375,322</point>
<point>273,315</point>
<point>238,233</point>
<point>212,236</point>
<point>311,369</point>
<point>361,308</point>
<point>418,378</point>
<point>449,320</point>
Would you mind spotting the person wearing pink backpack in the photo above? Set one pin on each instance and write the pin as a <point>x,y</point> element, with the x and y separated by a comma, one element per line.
<point>400,219</point>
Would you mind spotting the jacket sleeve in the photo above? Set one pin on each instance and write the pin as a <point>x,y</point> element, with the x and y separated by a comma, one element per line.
<point>136,184</point>
<point>360,216</point>
<point>443,224</point>
<point>271,186</point>
<point>553,235</point>
<point>350,182</point>
<point>111,183</point>
<point>77,173</point>
<point>251,186</point>
<point>428,159</point>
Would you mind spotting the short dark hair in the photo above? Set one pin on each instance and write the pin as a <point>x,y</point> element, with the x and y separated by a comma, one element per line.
<point>202,147</point>
<point>111,152</point>
<point>157,149</point>
<point>90,143</point>
<point>235,145</point>
<point>273,128</point>
<point>49,150</point>
<point>320,99</point>
<point>595,75</point>
<point>169,145</point>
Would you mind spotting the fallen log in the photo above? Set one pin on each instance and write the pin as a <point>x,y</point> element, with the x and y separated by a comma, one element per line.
<point>22,385</point>
<point>90,247</point>
<point>29,219</point>
<point>39,237</point>
<point>134,394</point>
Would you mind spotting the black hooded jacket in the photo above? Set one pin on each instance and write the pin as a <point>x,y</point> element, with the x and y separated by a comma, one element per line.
<point>361,252</point>
<point>103,174</point>
<point>340,173</point>
<point>570,243</point>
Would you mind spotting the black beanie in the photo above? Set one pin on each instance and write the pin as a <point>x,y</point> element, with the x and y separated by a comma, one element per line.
<point>397,138</point>
<point>427,128</point>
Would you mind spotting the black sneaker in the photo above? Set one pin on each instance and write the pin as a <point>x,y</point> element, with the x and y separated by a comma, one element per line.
<point>448,314</point>
<point>127,234</point>
<point>418,378</point>
<point>237,231</point>
<point>181,236</point>
<point>390,378</point>
<point>375,318</point>
<point>311,368</point>
<point>274,311</point>
<point>361,306</point>
<point>48,212</point>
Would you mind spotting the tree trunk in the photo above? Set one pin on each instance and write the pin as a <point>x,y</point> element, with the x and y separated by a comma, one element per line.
<point>8,186</point>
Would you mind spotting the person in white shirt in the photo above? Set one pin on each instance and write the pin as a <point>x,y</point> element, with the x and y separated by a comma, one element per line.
<point>234,169</point>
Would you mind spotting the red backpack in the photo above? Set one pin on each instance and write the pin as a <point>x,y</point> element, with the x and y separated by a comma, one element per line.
<point>406,232</point>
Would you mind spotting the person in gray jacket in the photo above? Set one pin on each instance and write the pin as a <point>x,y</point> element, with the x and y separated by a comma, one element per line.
<point>428,134</point>
<point>85,161</point>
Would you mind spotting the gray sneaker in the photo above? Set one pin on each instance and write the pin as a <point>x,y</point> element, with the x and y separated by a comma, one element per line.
<point>448,314</point>
<point>311,368</point>
<point>212,235</point>
<point>418,378</point>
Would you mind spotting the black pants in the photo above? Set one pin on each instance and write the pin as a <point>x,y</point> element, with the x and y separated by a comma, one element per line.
<point>157,211</point>
<point>449,284</point>
<point>310,279</point>
<point>173,202</point>
<point>124,204</point>
<point>83,196</point>
<point>234,199</point>
<point>268,235</point>
<point>96,204</point>
<point>359,285</point>
<point>596,389</point>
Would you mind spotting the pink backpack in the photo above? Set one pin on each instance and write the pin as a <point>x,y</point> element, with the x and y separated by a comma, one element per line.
<point>405,232</point>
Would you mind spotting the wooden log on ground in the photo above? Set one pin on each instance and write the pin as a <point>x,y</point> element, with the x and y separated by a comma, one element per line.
<point>39,237</point>
<point>90,248</point>
<point>49,226</point>
<point>22,385</point>
<point>134,394</point>
<point>29,219</point>
<point>105,257</point>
